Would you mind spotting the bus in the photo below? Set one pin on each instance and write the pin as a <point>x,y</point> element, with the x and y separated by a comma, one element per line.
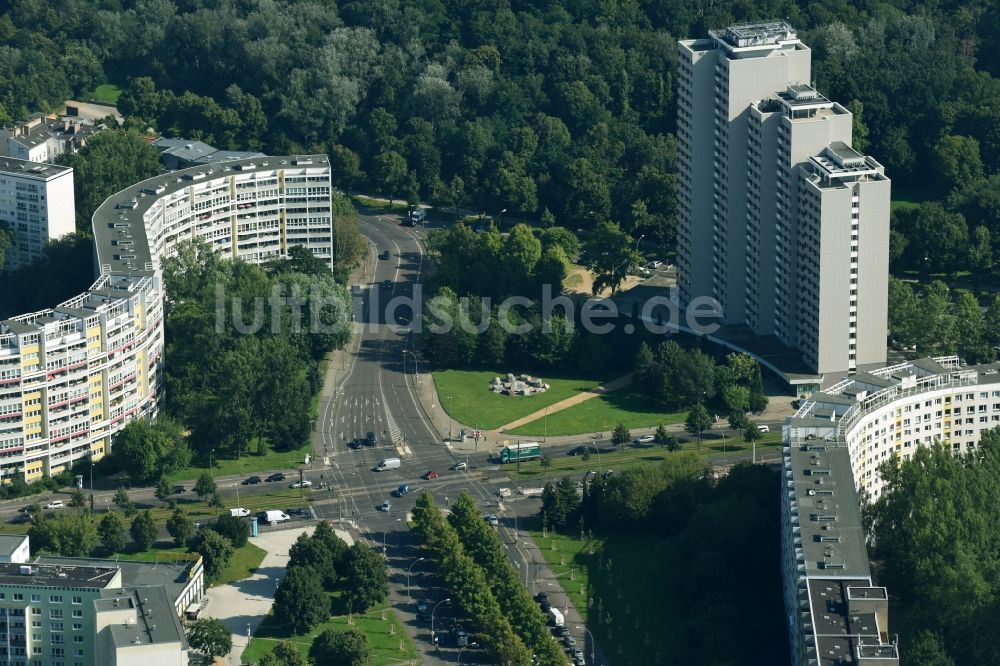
<point>525,451</point>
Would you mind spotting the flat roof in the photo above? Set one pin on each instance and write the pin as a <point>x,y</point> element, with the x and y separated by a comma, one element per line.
<point>156,620</point>
<point>57,575</point>
<point>170,575</point>
<point>11,542</point>
<point>129,218</point>
<point>833,541</point>
<point>26,169</point>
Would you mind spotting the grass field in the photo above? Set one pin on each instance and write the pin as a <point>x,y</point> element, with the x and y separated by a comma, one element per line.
<point>248,463</point>
<point>466,396</point>
<point>385,635</point>
<point>107,92</point>
<point>899,203</point>
<point>633,456</point>
<point>635,613</point>
<point>243,565</point>
<point>602,414</point>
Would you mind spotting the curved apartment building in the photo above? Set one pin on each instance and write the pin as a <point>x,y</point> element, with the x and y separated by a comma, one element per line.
<point>832,449</point>
<point>74,375</point>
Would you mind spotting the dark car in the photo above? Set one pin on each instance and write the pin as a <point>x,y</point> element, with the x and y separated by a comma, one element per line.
<point>385,254</point>
<point>252,481</point>
<point>370,438</point>
<point>387,284</point>
<point>541,596</point>
<point>180,489</point>
<point>277,476</point>
<point>577,451</point>
<point>301,513</point>
<point>356,443</point>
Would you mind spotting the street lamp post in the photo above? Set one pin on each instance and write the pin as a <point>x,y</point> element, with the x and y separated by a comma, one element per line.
<point>416,365</point>
<point>593,646</point>
<point>450,419</point>
<point>434,610</point>
<point>636,249</point>
<point>419,559</point>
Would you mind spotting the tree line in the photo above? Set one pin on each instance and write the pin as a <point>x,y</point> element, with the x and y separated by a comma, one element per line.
<point>934,530</point>
<point>729,586</point>
<point>934,319</point>
<point>483,584</point>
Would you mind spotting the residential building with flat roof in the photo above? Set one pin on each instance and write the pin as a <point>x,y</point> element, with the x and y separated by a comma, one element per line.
<point>74,375</point>
<point>777,223</point>
<point>79,612</point>
<point>36,205</point>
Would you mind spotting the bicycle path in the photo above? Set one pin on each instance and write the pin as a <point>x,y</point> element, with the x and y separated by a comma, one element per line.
<point>569,402</point>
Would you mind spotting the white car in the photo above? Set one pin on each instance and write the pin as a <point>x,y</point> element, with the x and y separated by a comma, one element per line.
<point>301,484</point>
<point>655,264</point>
<point>492,520</point>
<point>763,428</point>
<point>460,465</point>
<point>386,505</point>
<point>645,439</point>
<point>55,504</point>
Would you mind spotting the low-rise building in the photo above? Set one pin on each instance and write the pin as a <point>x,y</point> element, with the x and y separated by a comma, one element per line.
<point>183,153</point>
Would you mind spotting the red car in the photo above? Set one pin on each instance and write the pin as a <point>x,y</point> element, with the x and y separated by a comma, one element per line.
<point>431,475</point>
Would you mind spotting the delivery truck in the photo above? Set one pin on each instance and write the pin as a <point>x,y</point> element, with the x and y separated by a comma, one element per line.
<point>556,617</point>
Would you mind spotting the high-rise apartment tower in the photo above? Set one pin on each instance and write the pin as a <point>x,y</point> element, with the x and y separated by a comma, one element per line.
<point>780,220</point>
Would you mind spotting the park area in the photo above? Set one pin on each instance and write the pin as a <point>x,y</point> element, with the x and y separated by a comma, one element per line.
<point>389,641</point>
<point>624,588</point>
<point>465,395</point>
<point>602,414</point>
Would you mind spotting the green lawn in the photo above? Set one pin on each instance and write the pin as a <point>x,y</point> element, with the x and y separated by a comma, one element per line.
<point>248,463</point>
<point>899,203</point>
<point>635,612</point>
<point>634,457</point>
<point>385,645</point>
<point>243,565</point>
<point>107,92</point>
<point>466,396</point>
<point>602,414</point>
<point>161,550</point>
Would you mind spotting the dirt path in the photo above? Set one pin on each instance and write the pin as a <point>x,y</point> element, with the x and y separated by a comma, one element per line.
<point>568,402</point>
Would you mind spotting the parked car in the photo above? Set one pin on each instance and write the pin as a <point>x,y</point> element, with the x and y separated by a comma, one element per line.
<point>762,427</point>
<point>460,465</point>
<point>569,641</point>
<point>541,596</point>
<point>422,609</point>
<point>356,443</point>
<point>55,504</point>
<point>386,505</point>
<point>655,264</point>
<point>277,476</point>
<point>402,490</point>
<point>385,254</point>
<point>299,513</point>
<point>387,284</point>
<point>492,520</point>
<point>180,489</point>
<point>645,439</point>
<point>431,474</point>
<point>301,484</point>
<point>251,481</point>
<point>239,512</point>
<point>370,438</point>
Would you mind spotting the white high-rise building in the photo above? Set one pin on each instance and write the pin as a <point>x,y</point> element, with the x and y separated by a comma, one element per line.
<point>780,221</point>
<point>36,204</point>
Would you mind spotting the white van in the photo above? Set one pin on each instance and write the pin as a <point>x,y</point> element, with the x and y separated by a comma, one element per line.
<point>556,617</point>
<point>417,215</point>
<point>275,517</point>
<point>239,513</point>
<point>388,463</point>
